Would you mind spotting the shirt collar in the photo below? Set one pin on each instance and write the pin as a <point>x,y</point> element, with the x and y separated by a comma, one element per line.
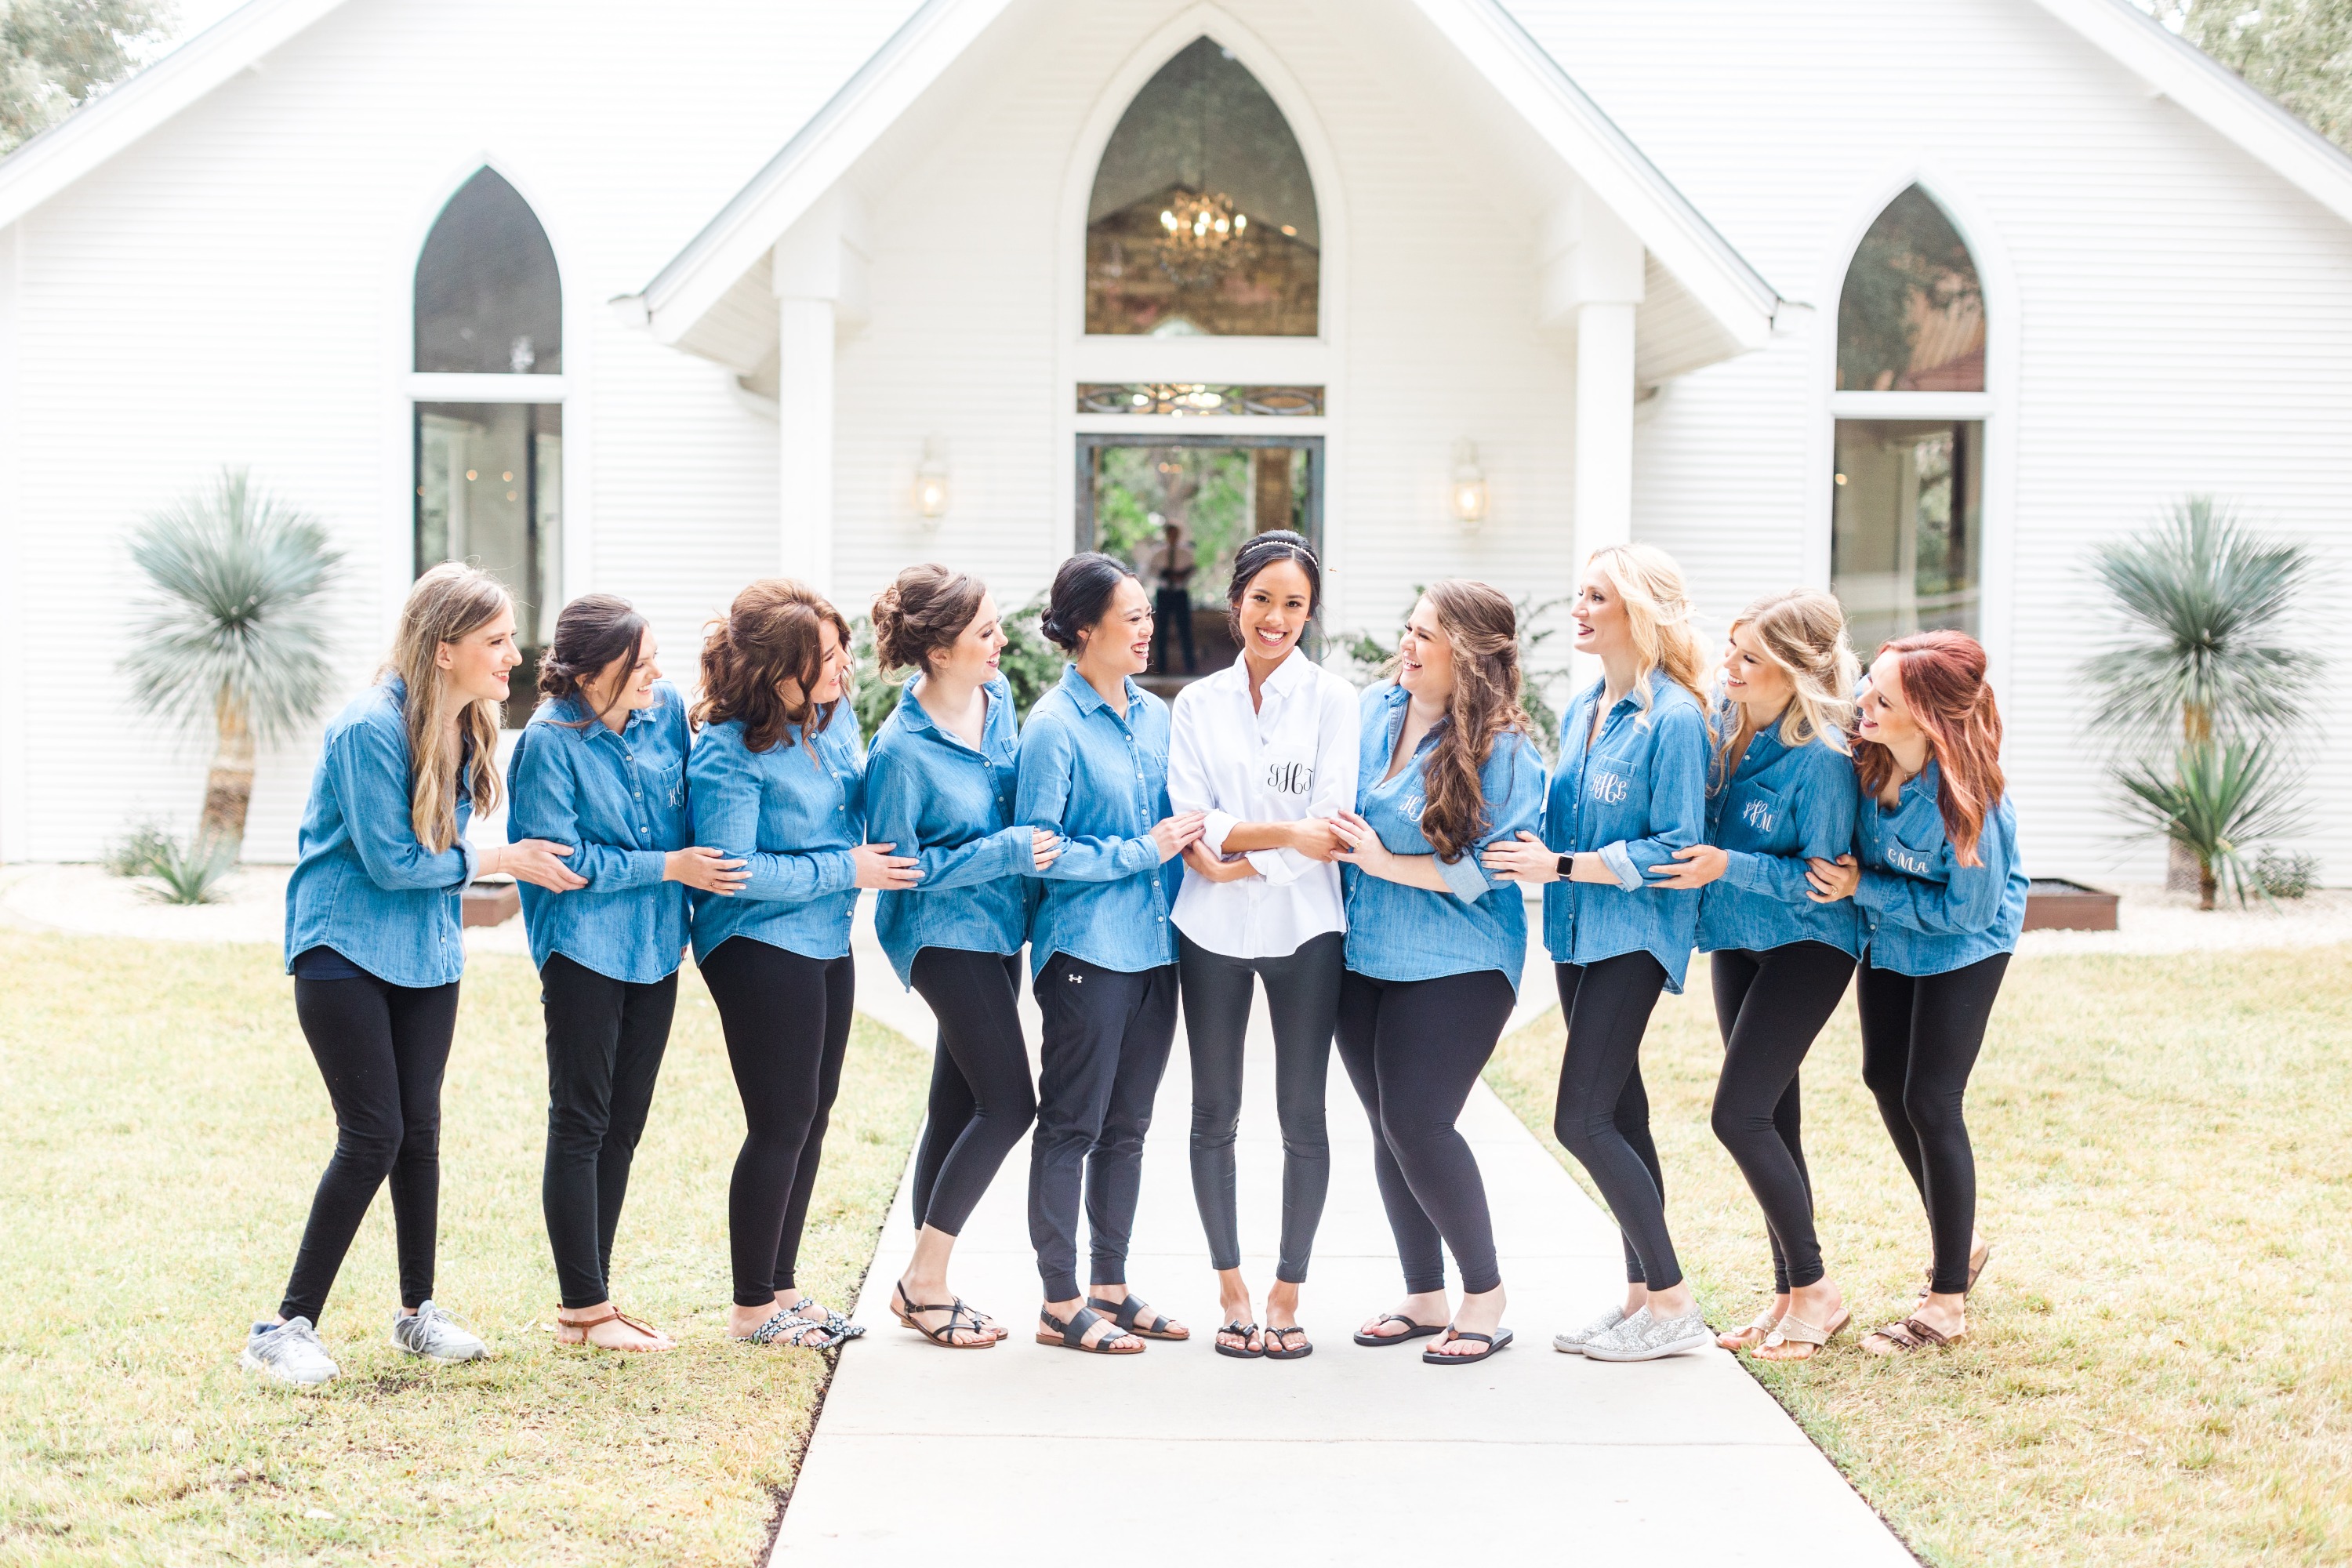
<point>915,717</point>
<point>1082,691</point>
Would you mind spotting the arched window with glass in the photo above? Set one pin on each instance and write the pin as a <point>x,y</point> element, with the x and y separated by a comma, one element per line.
<point>1907,532</point>
<point>489,420</point>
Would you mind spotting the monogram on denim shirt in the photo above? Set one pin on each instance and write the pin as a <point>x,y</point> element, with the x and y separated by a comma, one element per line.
<point>1781,806</point>
<point>1926,913</point>
<point>1101,780</point>
<point>792,813</point>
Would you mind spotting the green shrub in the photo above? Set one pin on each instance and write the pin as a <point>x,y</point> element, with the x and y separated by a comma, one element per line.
<point>191,872</point>
<point>138,852</point>
<point>2285,873</point>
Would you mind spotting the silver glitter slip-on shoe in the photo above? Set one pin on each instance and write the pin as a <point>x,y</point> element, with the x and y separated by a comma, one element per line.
<point>289,1352</point>
<point>1643,1337</point>
<point>1573,1343</point>
<point>429,1332</point>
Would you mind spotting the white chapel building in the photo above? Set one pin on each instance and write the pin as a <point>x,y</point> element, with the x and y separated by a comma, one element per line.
<point>1919,300</point>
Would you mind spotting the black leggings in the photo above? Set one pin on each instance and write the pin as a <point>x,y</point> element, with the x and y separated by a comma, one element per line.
<point>1770,1006</point>
<point>604,1044</point>
<point>982,1100</point>
<point>382,1048</point>
<point>1302,996</point>
<point>1603,1114</point>
<point>787,1017</point>
<point>1415,1049</point>
<point>1920,1036</point>
<point>1105,1049</point>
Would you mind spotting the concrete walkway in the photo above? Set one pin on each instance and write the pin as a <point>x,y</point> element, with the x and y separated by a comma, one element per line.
<point>1025,1454</point>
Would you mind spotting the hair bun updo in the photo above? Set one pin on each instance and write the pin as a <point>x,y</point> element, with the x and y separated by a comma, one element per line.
<point>1081,597</point>
<point>923,612</point>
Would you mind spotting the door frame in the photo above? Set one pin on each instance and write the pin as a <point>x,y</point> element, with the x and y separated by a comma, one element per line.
<point>1088,442</point>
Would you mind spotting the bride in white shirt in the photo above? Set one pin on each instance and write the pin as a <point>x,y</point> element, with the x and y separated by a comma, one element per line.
<point>1266,748</point>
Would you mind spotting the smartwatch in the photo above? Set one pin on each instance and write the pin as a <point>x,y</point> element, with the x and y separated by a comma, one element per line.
<point>1567,867</point>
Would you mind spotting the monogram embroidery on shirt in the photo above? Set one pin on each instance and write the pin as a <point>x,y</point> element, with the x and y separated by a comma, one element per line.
<point>1415,804</point>
<point>1758,816</point>
<point>1289,778</point>
<point>1903,859</point>
<point>1610,788</point>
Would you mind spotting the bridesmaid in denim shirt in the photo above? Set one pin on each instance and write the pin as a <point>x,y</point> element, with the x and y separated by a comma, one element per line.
<point>601,768</point>
<point>1629,792</point>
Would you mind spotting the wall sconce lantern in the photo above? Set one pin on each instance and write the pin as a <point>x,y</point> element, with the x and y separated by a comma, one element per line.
<point>931,481</point>
<point>1469,489</point>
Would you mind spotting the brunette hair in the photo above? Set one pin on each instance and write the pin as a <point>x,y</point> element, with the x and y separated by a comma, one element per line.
<point>1659,611</point>
<point>1802,630</point>
<point>1080,595</point>
<point>1941,678</point>
<point>772,633</point>
<point>1261,551</point>
<point>448,604</point>
<point>1482,630</point>
<point>594,631</point>
<point>924,612</point>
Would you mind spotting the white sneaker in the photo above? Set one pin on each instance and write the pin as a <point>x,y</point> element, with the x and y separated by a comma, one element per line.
<point>288,1352</point>
<point>429,1333</point>
<point>1573,1343</point>
<point>1643,1337</point>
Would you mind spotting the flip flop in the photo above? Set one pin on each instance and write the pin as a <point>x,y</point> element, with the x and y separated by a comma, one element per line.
<point>1240,1330</point>
<point>1910,1334</point>
<point>1496,1343</point>
<point>1793,1330</point>
<point>1305,1348</point>
<point>1413,1331</point>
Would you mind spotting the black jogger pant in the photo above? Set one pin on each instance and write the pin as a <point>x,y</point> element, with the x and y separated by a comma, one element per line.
<point>982,1101</point>
<point>382,1048</point>
<point>1920,1036</point>
<point>787,1017</point>
<point>1302,995</point>
<point>604,1044</point>
<point>1770,1006</point>
<point>1602,1116</point>
<point>1105,1046</point>
<point>1413,1048</point>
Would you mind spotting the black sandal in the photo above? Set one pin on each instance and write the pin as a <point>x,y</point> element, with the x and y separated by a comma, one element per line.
<point>959,1317</point>
<point>1496,1343</point>
<point>1282,1337</point>
<point>1072,1335</point>
<point>1125,1313</point>
<point>1413,1331</point>
<point>1240,1330</point>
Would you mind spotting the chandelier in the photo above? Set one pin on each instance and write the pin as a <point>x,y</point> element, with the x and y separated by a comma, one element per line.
<point>1201,236</point>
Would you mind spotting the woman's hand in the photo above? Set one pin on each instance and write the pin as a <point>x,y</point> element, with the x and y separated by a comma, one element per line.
<point>1526,859</point>
<point>1701,864</point>
<point>1832,879</point>
<point>877,868</point>
<point>709,870</point>
<point>1216,869</point>
<point>1174,834</point>
<point>1358,846</point>
<point>1044,847</point>
<point>1315,837</point>
<point>538,862</point>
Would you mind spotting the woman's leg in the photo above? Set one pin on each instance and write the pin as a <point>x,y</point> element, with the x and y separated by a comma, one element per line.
<point>1420,1248</point>
<point>836,990</point>
<point>348,1023</point>
<point>1612,1001</point>
<point>1884,1002</point>
<point>1434,1039</point>
<point>976,996</point>
<point>1948,1028</point>
<point>584,1011</point>
<point>1302,995</point>
<point>1217,993</point>
<point>946,1112</point>
<point>647,1012</point>
<point>1115,1165</point>
<point>1087,1011</point>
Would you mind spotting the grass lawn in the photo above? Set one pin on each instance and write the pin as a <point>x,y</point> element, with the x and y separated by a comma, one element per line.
<point>2157,1370</point>
<point>163,1132</point>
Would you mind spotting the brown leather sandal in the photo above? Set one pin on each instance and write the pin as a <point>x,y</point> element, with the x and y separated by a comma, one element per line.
<point>580,1326</point>
<point>1910,1334</point>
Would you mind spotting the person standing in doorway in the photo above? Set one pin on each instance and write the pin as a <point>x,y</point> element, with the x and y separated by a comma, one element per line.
<point>1783,790</point>
<point>1629,791</point>
<point>939,782</point>
<point>1171,566</point>
<point>375,942</point>
<point>1942,897</point>
<point>1266,749</point>
<point>1102,953</point>
<point>777,781</point>
<point>601,768</point>
<point>1446,767</point>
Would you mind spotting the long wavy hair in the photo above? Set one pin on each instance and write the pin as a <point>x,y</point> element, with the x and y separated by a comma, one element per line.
<point>1658,610</point>
<point>1482,629</point>
<point>1941,678</point>
<point>1802,630</point>
<point>772,633</point>
<point>448,604</point>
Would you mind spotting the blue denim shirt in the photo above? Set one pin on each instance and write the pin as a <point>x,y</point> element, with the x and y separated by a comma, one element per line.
<point>1781,806</point>
<point>792,813</point>
<point>619,801</point>
<point>1635,796</point>
<point>1396,932</point>
<point>1101,782</point>
<point>362,884</point>
<point>1926,913</point>
<point>935,798</point>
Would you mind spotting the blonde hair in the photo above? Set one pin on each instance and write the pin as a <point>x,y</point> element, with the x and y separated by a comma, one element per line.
<point>1802,630</point>
<point>1658,611</point>
<point>447,605</point>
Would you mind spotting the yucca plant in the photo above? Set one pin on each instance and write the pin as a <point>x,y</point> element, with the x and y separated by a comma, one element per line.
<point>231,632</point>
<point>2219,797</point>
<point>190,872</point>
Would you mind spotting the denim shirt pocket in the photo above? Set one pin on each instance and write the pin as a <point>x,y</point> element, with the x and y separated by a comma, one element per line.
<point>1759,811</point>
<point>667,784</point>
<point>1609,782</point>
<point>1913,848</point>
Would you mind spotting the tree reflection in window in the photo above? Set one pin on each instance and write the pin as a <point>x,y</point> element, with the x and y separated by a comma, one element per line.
<point>1911,316</point>
<point>488,302</point>
<point>1202,220</point>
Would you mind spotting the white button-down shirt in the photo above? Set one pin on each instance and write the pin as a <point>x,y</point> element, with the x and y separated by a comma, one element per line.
<point>1294,757</point>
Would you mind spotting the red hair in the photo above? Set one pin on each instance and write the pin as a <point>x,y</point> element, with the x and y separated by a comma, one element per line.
<point>1941,677</point>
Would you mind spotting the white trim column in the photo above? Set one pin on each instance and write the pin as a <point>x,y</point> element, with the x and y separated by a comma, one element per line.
<point>804,329</point>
